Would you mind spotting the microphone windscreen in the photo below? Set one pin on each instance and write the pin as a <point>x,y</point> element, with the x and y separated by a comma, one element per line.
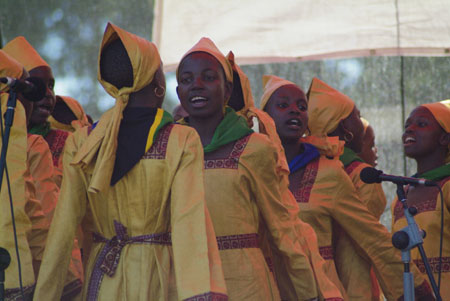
<point>39,89</point>
<point>370,175</point>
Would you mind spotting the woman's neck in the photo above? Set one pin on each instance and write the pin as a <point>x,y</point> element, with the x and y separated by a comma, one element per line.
<point>430,162</point>
<point>205,127</point>
<point>292,149</point>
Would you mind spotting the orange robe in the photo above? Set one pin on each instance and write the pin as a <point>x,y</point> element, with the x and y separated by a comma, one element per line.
<point>353,269</point>
<point>428,218</point>
<point>153,236</point>
<point>326,195</point>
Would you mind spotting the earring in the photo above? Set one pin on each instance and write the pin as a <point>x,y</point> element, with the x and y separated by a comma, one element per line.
<point>159,94</point>
<point>348,134</point>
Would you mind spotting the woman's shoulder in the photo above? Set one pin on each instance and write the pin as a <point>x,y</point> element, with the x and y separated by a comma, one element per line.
<point>332,167</point>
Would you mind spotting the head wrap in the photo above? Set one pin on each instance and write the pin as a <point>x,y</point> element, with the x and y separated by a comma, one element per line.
<point>77,110</point>
<point>9,67</point>
<point>441,112</point>
<point>326,108</point>
<point>270,84</point>
<point>23,52</point>
<point>208,46</point>
<point>145,61</point>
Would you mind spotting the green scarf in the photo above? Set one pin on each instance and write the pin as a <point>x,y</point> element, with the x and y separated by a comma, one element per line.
<point>435,174</point>
<point>42,129</point>
<point>349,156</point>
<point>231,128</point>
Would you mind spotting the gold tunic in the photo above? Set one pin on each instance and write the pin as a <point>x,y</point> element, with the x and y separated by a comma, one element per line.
<point>354,271</point>
<point>243,193</point>
<point>153,223</point>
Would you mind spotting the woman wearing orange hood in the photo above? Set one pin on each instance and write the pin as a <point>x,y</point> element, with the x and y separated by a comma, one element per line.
<point>324,192</point>
<point>243,191</point>
<point>426,139</point>
<point>140,179</point>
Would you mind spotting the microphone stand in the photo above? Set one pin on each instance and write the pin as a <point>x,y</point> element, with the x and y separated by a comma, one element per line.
<point>9,117</point>
<point>5,260</point>
<point>406,239</point>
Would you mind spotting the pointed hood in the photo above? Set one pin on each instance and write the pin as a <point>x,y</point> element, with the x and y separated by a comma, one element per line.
<point>24,53</point>
<point>100,147</point>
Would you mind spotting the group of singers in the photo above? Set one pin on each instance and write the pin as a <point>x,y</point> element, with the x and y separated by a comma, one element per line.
<point>228,201</point>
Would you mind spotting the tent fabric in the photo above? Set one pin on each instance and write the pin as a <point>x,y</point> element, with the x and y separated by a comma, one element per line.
<point>267,31</point>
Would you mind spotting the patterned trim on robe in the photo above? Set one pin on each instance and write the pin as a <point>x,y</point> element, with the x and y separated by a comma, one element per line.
<point>159,147</point>
<point>239,241</point>
<point>303,192</point>
<point>14,294</point>
<point>434,264</point>
<point>232,161</point>
<point>326,252</point>
<point>352,166</point>
<point>428,205</point>
<point>211,296</point>
<point>56,140</point>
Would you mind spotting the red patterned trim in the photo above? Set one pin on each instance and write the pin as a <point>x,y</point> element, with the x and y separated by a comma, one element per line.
<point>303,192</point>
<point>239,241</point>
<point>427,205</point>
<point>159,147</point>
<point>326,252</point>
<point>211,296</point>
<point>72,289</point>
<point>352,166</point>
<point>232,161</point>
<point>434,264</point>
<point>56,140</point>
<point>14,294</point>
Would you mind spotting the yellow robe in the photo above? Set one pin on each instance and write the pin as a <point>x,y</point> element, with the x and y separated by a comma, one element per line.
<point>326,195</point>
<point>243,193</point>
<point>353,270</point>
<point>41,169</point>
<point>428,218</point>
<point>162,195</point>
<point>16,162</point>
<point>308,238</point>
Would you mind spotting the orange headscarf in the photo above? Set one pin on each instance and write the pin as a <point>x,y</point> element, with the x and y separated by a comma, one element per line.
<point>9,67</point>
<point>23,52</point>
<point>100,147</point>
<point>208,46</point>
<point>441,112</point>
<point>77,110</point>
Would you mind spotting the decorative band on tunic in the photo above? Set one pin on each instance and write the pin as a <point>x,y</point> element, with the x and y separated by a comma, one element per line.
<point>326,252</point>
<point>239,241</point>
<point>108,259</point>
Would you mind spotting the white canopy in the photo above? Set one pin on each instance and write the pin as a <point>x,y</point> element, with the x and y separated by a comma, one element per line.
<point>265,31</point>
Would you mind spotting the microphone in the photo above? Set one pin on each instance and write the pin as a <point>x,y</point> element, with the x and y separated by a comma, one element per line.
<point>371,175</point>
<point>32,88</point>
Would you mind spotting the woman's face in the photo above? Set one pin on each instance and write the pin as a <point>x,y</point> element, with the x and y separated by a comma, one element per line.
<point>288,108</point>
<point>354,124</point>
<point>422,134</point>
<point>44,107</point>
<point>369,150</point>
<point>202,86</point>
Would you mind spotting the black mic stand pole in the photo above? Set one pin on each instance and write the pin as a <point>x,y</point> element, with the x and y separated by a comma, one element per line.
<point>9,117</point>
<point>5,260</point>
<point>406,239</point>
